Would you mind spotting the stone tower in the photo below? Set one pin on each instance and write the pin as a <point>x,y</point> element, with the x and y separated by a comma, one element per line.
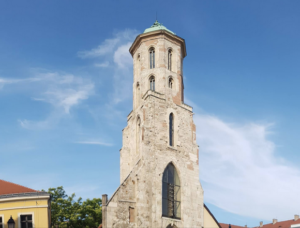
<point>159,166</point>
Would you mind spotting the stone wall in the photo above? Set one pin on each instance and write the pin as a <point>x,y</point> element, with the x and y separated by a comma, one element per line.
<point>146,152</point>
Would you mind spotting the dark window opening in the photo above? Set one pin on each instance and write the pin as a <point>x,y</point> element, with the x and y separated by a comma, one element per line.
<point>26,221</point>
<point>152,83</point>
<point>152,58</point>
<point>171,200</point>
<point>170,83</point>
<point>170,59</point>
<point>171,129</point>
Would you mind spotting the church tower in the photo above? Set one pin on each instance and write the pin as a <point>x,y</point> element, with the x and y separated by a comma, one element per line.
<point>159,162</point>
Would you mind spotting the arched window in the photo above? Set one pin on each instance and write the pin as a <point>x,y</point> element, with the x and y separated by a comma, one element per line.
<point>169,59</point>
<point>152,83</point>
<point>152,58</point>
<point>171,199</point>
<point>171,129</point>
<point>137,95</point>
<point>171,82</point>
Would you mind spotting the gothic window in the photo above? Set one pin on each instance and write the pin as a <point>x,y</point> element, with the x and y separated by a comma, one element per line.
<point>171,199</point>
<point>169,59</point>
<point>152,58</point>
<point>152,83</point>
<point>26,221</point>
<point>138,95</point>
<point>171,129</point>
<point>171,82</point>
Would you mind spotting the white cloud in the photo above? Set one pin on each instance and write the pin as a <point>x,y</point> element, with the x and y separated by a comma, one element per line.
<point>108,46</point>
<point>102,65</point>
<point>59,89</point>
<point>94,142</point>
<point>241,173</point>
<point>122,56</point>
<point>63,91</point>
<point>114,52</point>
<point>67,97</point>
<point>6,81</point>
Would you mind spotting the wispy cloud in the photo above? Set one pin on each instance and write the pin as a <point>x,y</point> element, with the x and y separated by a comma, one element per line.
<point>240,171</point>
<point>63,91</point>
<point>114,52</point>
<point>95,142</point>
<point>7,81</point>
<point>108,46</point>
<point>102,65</point>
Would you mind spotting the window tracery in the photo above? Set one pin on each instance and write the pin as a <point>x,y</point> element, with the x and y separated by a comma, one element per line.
<point>171,199</point>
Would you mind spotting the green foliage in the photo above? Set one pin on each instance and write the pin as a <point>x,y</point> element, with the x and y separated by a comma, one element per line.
<point>67,212</point>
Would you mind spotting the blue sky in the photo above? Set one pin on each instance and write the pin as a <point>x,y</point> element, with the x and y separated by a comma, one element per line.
<point>65,92</point>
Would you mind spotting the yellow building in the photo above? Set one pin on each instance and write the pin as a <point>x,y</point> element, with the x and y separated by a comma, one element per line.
<point>209,219</point>
<point>28,208</point>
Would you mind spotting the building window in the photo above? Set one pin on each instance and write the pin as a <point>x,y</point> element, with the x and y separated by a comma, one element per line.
<point>171,82</point>
<point>170,59</point>
<point>138,95</point>
<point>171,129</point>
<point>152,83</point>
<point>1,222</point>
<point>171,199</point>
<point>26,221</point>
<point>152,58</point>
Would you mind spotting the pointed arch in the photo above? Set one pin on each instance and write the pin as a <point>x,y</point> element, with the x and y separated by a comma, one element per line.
<point>137,94</point>
<point>152,83</point>
<point>170,53</point>
<point>152,57</point>
<point>170,82</point>
<point>171,193</point>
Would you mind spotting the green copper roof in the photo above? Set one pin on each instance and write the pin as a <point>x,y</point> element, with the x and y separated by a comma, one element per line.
<point>157,26</point>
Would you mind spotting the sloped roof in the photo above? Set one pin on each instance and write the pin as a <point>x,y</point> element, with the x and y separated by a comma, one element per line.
<point>283,224</point>
<point>157,26</point>
<point>225,225</point>
<point>213,216</point>
<point>11,188</point>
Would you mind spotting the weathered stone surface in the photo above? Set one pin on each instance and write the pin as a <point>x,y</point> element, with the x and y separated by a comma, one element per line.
<point>146,151</point>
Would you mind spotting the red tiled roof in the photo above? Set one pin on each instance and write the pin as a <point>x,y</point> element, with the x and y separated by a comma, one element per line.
<point>224,225</point>
<point>283,224</point>
<point>11,188</point>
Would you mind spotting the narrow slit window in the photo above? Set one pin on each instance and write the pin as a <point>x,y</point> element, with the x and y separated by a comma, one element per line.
<point>171,129</point>
<point>152,58</point>
<point>152,83</point>
<point>170,83</point>
<point>170,59</point>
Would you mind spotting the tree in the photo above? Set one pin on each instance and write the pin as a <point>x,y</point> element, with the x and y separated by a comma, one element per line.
<point>67,212</point>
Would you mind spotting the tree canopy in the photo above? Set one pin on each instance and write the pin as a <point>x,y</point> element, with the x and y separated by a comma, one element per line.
<point>66,211</point>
